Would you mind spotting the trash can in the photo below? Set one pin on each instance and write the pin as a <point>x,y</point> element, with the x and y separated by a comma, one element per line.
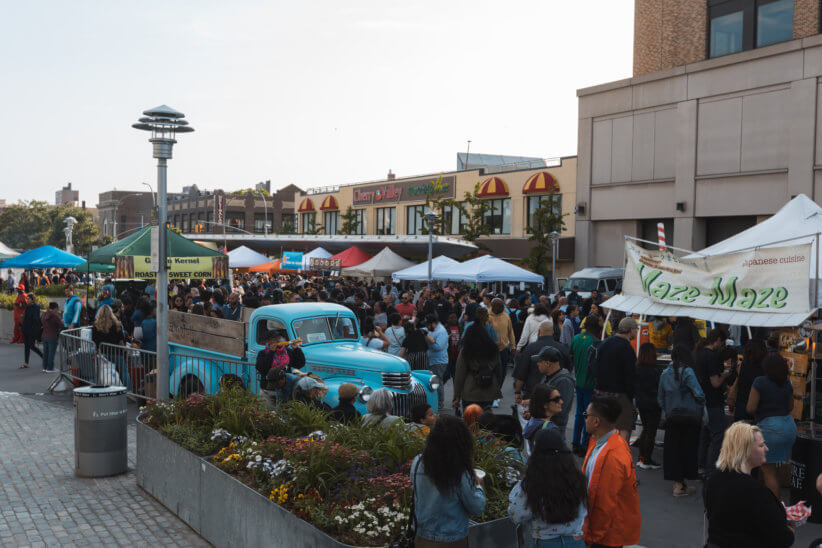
<point>806,465</point>
<point>100,436</point>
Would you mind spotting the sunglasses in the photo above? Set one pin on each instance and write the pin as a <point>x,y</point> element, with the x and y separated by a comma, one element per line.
<point>557,400</point>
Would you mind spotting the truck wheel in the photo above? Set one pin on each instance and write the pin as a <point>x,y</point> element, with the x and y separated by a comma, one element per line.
<point>231,381</point>
<point>191,385</point>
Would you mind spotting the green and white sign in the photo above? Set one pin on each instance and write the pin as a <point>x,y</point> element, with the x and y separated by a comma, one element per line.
<point>774,280</point>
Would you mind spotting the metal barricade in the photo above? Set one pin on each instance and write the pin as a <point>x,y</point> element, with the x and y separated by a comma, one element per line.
<point>207,375</point>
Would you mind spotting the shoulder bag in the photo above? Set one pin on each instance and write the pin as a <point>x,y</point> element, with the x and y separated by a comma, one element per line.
<point>685,409</point>
<point>407,537</point>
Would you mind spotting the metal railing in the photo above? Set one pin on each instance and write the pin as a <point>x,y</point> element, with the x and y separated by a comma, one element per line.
<point>207,375</point>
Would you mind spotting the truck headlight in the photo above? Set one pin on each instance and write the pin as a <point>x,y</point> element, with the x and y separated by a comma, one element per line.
<point>365,394</point>
<point>434,382</point>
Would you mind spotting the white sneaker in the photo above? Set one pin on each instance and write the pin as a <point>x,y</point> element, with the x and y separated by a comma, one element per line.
<point>496,403</point>
<point>647,466</point>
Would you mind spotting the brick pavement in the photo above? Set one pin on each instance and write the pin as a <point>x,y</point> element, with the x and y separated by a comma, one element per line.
<point>42,502</point>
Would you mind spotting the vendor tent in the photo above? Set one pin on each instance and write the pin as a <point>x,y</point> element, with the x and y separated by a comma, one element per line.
<point>419,272</point>
<point>271,267</point>
<point>318,253</point>
<point>488,269</point>
<point>45,257</point>
<point>243,257</point>
<point>6,252</point>
<point>381,265</point>
<point>352,256</point>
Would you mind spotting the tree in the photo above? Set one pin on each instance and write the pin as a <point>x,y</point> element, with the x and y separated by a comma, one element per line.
<point>546,218</point>
<point>27,225</point>
<point>252,191</point>
<point>349,222</point>
<point>472,210</point>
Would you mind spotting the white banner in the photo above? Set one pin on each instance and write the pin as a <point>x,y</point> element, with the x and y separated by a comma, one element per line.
<point>773,280</point>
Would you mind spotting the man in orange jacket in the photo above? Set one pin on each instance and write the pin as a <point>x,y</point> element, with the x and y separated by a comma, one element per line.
<point>613,517</point>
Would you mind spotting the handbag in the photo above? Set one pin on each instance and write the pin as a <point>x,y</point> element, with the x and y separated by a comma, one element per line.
<point>685,410</point>
<point>406,538</point>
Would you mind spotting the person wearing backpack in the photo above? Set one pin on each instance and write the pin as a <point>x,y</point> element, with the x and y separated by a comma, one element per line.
<point>583,354</point>
<point>681,398</point>
<point>478,376</point>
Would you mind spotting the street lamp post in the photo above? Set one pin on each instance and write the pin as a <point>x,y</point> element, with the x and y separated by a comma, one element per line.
<point>554,241</point>
<point>430,219</point>
<point>164,123</point>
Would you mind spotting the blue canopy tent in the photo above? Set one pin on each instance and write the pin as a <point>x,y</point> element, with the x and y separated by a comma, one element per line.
<point>45,257</point>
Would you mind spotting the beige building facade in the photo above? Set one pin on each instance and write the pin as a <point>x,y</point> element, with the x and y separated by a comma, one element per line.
<point>395,206</point>
<point>708,148</point>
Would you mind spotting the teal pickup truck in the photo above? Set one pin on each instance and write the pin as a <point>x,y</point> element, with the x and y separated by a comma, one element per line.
<point>204,352</point>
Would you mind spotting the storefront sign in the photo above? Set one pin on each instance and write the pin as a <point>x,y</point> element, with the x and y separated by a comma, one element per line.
<point>139,267</point>
<point>318,263</point>
<point>405,191</point>
<point>292,260</point>
<point>219,207</point>
<point>773,280</point>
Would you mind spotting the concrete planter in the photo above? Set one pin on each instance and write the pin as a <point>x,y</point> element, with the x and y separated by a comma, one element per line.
<point>227,512</point>
<point>6,325</point>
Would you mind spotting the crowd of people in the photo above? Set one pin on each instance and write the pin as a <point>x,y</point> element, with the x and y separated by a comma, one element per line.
<point>562,353</point>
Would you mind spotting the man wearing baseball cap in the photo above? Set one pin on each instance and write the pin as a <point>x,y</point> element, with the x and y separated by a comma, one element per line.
<point>556,376</point>
<point>615,372</point>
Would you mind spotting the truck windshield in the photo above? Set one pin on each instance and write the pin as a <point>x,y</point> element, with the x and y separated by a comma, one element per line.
<point>584,284</point>
<point>313,330</point>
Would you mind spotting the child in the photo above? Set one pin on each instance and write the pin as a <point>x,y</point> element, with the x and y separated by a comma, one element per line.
<point>424,418</point>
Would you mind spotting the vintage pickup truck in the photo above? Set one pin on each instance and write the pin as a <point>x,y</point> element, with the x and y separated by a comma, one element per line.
<point>206,351</point>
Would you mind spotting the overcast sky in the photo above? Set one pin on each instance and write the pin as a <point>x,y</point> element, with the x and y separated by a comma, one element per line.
<point>313,93</point>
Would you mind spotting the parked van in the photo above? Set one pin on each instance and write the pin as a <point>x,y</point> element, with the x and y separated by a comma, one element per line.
<point>606,280</point>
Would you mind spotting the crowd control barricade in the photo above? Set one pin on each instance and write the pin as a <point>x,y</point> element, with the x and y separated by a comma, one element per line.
<point>205,374</point>
<point>81,362</point>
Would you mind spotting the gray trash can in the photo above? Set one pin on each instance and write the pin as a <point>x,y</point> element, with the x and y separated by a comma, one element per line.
<point>100,436</point>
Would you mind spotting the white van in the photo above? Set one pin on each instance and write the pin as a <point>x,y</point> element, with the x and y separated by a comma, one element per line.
<point>606,280</point>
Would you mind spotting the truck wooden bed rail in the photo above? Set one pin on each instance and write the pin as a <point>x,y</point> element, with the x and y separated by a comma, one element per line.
<point>215,334</point>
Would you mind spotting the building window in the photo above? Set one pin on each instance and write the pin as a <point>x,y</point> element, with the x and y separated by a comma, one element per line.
<point>122,228</point>
<point>359,221</point>
<point>386,221</point>
<point>260,222</point>
<point>738,25</point>
<point>331,223</point>
<point>309,222</point>
<point>288,223</point>
<point>236,220</point>
<point>533,203</point>
<point>209,227</point>
<point>453,220</point>
<point>498,216</point>
<point>415,219</point>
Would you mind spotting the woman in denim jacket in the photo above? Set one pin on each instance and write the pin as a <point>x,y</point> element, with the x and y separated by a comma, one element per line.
<point>446,490</point>
<point>553,495</point>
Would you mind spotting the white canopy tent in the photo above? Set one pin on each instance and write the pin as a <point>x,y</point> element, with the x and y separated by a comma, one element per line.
<point>419,272</point>
<point>381,265</point>
<point>487,269</point>
<point>6,251</point>
<point>317,253</point>
<point>799,221</point>
<point>243,257</point>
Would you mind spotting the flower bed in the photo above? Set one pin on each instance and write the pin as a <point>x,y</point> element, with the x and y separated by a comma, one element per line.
<point>350,482</point>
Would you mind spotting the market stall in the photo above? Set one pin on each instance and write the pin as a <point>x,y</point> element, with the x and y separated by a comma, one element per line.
<point>487,268</point>
<point>419,272</point>
<point>244,257</point>
<point>316,253</point>
<point>351,256</point>
<point>6,252</point>
<point>381,265</point>
<point>46,256</point>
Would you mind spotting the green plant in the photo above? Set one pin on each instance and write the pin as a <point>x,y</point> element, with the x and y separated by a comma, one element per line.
<point>545,219</point>
<point>304,419</point>
<point>196,438</point>
<point>7,301</point>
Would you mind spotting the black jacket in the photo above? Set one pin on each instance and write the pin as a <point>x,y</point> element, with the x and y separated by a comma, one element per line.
<point>527,371</point>
<point>747,373</point>
<point>743,513</point>
<point>647,386</point>
<point>615,368</point>
<point>344,412</point>
<point>30,324</point>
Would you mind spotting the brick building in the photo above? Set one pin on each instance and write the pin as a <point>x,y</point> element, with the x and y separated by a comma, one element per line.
<point>121,212</point>
<point>717,129</point>
<point>67,195</point>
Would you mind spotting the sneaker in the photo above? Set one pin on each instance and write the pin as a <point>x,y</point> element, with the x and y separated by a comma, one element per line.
<point>647,465</point>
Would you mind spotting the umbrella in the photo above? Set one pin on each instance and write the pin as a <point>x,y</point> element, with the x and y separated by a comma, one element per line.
<point>243,257</point>
<point>45,257</point>
<point>352,256</point>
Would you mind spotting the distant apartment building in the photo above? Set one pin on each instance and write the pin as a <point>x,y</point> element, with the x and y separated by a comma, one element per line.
<point>718,127</point>
<point>122,212</point>
<point>67,195</point>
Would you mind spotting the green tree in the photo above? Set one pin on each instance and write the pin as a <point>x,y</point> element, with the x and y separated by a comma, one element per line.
<point>349,222</point>
<point>252,191</point>
<point>27,225</point>
<point>472,210</point>
<point>546,218</point>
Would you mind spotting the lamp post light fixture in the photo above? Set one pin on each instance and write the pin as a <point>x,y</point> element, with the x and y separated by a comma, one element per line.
<point>164,123</point>
<point>430,219</point>
<point>554,247</point>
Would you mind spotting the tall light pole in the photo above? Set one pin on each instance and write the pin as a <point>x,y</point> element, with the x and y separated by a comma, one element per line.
<point>164,123</point>
<point>430,219</point>
<point>265,209</point>
<point>554,241</point>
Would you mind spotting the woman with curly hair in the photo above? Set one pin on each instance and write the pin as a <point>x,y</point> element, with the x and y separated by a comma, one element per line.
<point>552,495</point>
<point>446,488</point>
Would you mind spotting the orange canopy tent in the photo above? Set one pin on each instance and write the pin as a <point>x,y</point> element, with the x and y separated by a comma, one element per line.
<point>352,256</point>
<point>271,267</point>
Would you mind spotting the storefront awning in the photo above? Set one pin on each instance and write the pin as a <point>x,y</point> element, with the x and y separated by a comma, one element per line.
<point>329,204</point>
<point>540,183</point>
<point>306,206</point>
<point>492,186</point>
<point>643,306</point>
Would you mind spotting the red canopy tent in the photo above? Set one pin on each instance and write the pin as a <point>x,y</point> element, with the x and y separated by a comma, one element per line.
<point>352,256</point>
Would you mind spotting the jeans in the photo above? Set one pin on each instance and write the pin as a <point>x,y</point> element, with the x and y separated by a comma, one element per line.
<point>504,358</point>
<point>711,441</point>
<point>30,345</point>
<point>564,541</point>
<point>49,351</point>
<point>650,424</point>
<point>583,399</point>
<point>439,370</point>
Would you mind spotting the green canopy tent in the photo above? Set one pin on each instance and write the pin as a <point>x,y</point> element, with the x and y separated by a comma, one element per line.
<point>139,244</point>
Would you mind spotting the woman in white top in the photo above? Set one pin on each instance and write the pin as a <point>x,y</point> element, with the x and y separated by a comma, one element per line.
<point>530,330</point>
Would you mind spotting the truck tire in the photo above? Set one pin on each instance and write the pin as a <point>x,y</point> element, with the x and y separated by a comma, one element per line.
<point>191,385</point>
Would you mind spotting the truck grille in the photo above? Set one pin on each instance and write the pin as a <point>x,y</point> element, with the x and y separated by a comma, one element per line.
<point>397,381</point>
<point>403,403</point>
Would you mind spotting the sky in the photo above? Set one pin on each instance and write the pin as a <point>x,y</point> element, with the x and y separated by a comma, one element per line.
<point>314,93</point>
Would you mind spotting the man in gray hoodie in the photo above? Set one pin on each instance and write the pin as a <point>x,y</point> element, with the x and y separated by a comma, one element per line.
<point>548,362</point>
